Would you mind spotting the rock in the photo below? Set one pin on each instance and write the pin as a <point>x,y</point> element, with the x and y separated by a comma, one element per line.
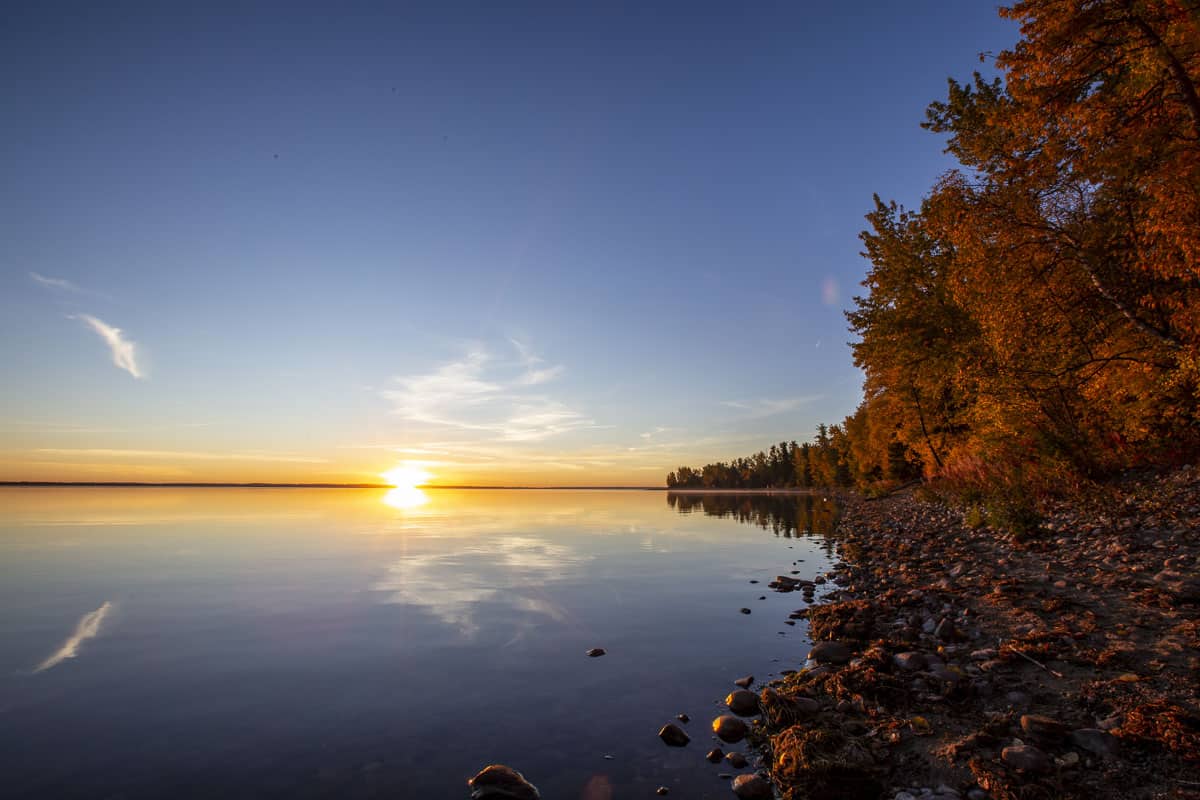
<point>1025,758</point>
<point>745,610</point>
<point>744,682</point>
<point>1045,729</point>
<point>673,735</point>
<point>830,653</point>
<point>662,790</point>
<point>683,718</point>
<point>498,781</point>
<point>909,662</point>
<point>743,702</point>
<point>945,630</point>
<point>752,787</point>
<point>1018,699</point>
<point>715,755</point>
<point>1096,742</point>
<point>736,760</point>
<point>596,652</point>
<point>729,728</point>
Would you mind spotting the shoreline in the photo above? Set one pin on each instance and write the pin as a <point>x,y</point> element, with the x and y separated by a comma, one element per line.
<point>964,663</point>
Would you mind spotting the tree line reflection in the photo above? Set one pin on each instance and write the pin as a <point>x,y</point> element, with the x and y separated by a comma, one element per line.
<point>787,515</point>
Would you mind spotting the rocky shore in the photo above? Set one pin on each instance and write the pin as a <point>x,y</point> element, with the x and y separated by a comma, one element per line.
<point>959,662</point>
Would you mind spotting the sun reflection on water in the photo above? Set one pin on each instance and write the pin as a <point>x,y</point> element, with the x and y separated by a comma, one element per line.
<point>403,497</point>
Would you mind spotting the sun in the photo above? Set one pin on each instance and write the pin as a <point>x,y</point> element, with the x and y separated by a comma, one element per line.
<point>406,476</point>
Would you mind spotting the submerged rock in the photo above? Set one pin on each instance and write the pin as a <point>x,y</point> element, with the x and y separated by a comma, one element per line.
<point>596,652</point>
<point>499,781</point>
<point>673,735</point>
<point>744,682</point>
<point>715,755</point>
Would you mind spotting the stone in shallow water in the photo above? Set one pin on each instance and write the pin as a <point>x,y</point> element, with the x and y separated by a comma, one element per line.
<point>736,760</point>
<point>745,611</point>
<point>752,787</point>
<point>729,728</point>
<point>673,735</point>
<point>499,781</point>
<point>743,702</point>
<point>715,755</point>
<point>596,652</point>
<point>744,682</point>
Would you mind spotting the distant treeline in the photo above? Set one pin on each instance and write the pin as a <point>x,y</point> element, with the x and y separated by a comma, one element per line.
<point>828,461</point>
<point>1037,319</point>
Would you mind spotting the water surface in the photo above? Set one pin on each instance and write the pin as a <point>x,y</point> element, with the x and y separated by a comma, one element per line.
<point>356,643</point>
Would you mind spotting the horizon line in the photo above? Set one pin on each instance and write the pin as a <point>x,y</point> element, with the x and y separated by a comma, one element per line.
<point>262,485</point>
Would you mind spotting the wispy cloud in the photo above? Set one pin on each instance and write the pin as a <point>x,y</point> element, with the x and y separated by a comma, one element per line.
<point>87,628</point>
<point>769,407</point>
<point>124,351</point>
<point>534,373</point>
<point>491,396</point>
<point>184,455</point>
<point>61,284</point>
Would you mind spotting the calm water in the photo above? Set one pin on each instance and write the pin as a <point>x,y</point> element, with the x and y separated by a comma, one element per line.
<point>352,643</point>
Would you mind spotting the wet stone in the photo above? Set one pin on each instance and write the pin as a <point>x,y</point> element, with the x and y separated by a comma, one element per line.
<point>498,781</point>
<point>743,702</point>
<point>596,652</point>
<point>830,653</point>
<point>729,728</point>
<point>752,787</point>
<point>673,735</point>
<point>744,682</point>
<point>736,760</point>
<point>715,755</point>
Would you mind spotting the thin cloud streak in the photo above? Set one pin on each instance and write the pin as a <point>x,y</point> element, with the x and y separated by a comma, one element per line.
<point>88,627</point>
<point>480,393</point>
<point>768,407</point>
<point>124,351</point>
<point>55,283</point>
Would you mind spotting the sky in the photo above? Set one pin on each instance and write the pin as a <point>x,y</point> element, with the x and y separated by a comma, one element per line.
<point>500,243</point>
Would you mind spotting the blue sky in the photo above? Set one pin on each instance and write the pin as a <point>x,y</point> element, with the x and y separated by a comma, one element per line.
<point>515,243</point>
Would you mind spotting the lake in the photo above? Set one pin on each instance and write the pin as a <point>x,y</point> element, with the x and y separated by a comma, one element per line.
<point>362,643</point>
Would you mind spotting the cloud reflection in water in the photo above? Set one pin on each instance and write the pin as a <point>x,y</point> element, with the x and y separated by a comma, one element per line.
<point>87,628</point>
<point>509,569</point>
